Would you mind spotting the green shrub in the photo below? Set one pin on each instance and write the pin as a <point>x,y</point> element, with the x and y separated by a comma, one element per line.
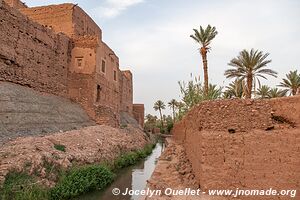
<point>77,181</point>
<point>20,186</point>
<point>133,157</point>
<point>81,180</point>
<point>60,147</point>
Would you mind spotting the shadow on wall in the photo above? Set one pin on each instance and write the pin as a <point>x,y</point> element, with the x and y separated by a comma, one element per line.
<point>25,112</point>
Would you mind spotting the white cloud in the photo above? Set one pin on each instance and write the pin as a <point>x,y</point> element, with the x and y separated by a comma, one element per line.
<point>113,8</point>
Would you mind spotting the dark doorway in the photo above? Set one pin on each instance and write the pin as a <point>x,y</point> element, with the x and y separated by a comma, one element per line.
<point>98,93</point>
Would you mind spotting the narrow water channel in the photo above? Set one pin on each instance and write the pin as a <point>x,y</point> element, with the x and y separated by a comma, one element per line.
<point>133,177</point>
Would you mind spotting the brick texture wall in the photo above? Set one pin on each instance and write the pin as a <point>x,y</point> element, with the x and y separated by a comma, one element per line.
<point>244,144</point>
<point>32,55</point>
<point>15,3</point>
<point>67,18</point>
<point>139,113</point>
<point>58,49</point>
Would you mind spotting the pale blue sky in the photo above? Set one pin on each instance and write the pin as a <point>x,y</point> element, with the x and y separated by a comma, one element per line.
<point>151,38</point>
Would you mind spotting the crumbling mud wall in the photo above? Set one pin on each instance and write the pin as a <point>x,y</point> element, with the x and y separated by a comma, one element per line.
<point>67,18</point>
<point>126,92</point>
<point>138,113</point>
<point>58,49</point>
<point>31,54</point>
<point>24,112</point>
<point>15,3</point>
<point>244,143</point>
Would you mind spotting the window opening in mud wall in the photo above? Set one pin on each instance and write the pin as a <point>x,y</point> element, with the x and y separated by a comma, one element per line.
<point>103,66</point>
<point>79,62</point>
<point>115,75</point>
<point>98,93</point>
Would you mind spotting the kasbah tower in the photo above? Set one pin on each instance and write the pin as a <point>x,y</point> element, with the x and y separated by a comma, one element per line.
<point>63,45</point>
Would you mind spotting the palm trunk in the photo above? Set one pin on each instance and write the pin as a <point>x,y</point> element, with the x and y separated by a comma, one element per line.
<point>161,119</point>
<point>249,86</point>
<point>173,114</point>
<point>204,59</point>
<point>294,91</point>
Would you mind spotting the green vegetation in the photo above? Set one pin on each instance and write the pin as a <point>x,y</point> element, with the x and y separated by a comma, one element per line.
<point>81,180</point>
<point>204,38</point>
<point>193,93</point>
<point>159,106</point>
<point>131,158</point>
<point>291,82</point>
<point>173,104</point>
<point>60,147</point>
<point>74,182</point>
<point>235,89</point>
<point>249,66</point>
<point>20,186</point>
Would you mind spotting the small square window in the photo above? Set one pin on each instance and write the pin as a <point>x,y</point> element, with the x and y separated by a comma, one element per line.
<point>79,62</point>
<point>103,66</point>
<point>115,75</point>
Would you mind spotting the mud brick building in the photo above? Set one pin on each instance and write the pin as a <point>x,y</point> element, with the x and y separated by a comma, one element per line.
<point>58,49</point>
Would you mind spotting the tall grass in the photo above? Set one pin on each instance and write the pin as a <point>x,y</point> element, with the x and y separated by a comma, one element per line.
<point>76,181</point>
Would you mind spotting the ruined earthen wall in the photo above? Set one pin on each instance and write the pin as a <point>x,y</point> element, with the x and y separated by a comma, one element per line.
<point>31,54</point>
<point>84,24</point>
<point>55,17</point>
<point>67,18</point>
<point>238,144</point>
<point>57,64</point>
<point>15,3</point>
<point>84,55</point>
<point>126,92</point>
<point>138,113</point>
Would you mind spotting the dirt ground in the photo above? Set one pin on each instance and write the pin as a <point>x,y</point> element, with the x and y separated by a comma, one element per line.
<point>85,146</point>
<point>174,170</point>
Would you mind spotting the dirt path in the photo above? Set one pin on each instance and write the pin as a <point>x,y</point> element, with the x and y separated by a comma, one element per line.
<point>173,170</point>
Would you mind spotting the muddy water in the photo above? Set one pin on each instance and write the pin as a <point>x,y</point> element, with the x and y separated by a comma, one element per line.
<point>133,177</point>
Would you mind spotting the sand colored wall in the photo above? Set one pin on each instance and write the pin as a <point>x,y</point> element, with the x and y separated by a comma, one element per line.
<point>139,113</point>
<point>84,55</point>
<point>55,17</point>
<point>32,55</point>
<point>126,92</point>
<point>67,65</point>
<point>67,18</point>
<point>254,157</point>
<point>15,3</point>
<point>84,24</point>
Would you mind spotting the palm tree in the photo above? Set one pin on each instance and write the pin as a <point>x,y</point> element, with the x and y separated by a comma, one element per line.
<point>193,92</point>
<point>275,92</point>
<point>263,92</point>
<point>159,106</point>
<point>214,92</point>
<point>250,66</point>
<point>235,89</point>
<point>173,104</point>
<point>292,82</point>
<point>204,38</point>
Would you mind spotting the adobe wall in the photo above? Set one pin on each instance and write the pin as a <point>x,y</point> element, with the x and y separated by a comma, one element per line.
<point>84,54</point>
<point>67,18</point>
<point>126,92</point>
<point>68,65</point>
<point>139,113</point>
<point>15,4</point>
<point>238,144</point>
<point>96,90</point>
<point>32,55</point>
